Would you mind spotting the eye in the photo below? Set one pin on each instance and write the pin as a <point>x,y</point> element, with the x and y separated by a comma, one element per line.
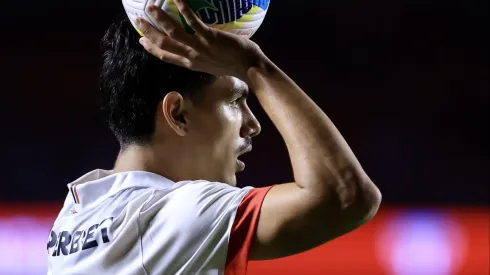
<point>236,101</point>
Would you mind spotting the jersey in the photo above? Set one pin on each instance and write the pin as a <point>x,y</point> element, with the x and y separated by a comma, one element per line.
<point>140,223</point>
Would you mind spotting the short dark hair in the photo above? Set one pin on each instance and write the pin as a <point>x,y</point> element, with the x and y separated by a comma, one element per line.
<point>133,82</point>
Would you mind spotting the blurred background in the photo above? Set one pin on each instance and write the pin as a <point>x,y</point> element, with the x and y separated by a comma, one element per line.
<point>405,81</point>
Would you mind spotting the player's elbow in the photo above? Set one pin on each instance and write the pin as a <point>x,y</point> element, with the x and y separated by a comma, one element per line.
<point>367,203</point>
<point>348,195</point>
<point>362,207</point>
<point>352,206</point>
<point>341,218</point>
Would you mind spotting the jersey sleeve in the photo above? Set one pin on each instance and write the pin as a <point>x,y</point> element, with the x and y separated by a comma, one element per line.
<point>243,231</point>
<point>188,229</point>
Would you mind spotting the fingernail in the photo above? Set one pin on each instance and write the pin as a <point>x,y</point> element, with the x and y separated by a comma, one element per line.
<point>142,41</point>
<point>138,21</point>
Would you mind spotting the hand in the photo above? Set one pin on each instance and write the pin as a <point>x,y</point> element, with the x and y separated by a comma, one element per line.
<point>207,50</point>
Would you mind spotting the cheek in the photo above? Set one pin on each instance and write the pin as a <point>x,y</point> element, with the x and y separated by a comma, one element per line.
<point>229,114</point>
<point>226,127</point>
<point>229,121</point>
<point>219,127</point>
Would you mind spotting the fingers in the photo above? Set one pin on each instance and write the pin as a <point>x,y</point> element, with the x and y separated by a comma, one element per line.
<point>163,54</point>
<point>170,27</point>
<point>177,46</point>
<point>190,17</point>
<point>162,41</point>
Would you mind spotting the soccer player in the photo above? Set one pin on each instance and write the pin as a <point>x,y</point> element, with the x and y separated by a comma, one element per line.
<point>176,102</point>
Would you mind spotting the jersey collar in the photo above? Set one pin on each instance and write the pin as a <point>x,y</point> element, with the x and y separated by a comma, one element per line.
<point>99,184</point>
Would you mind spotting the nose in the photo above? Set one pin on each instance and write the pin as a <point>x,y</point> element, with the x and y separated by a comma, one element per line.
<point>251,126</point>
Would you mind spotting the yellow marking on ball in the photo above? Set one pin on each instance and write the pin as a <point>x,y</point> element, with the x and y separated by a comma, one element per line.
<point>246,17</point>
<point>139,32</point>
<point>228,26</point>
<point>173,9</point>
<point>254,10</point>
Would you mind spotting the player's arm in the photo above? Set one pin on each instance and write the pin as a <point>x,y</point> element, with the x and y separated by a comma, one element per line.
<point>331,195</point>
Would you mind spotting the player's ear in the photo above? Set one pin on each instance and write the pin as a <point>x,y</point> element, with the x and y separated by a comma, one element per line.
<point>173,108</point>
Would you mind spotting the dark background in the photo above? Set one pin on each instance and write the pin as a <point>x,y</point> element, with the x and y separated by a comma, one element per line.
<point>405,81</point>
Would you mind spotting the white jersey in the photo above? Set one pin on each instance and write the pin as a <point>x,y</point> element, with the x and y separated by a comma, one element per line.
<point>142,223</point>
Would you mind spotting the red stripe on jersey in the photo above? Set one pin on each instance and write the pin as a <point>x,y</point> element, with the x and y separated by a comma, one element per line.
<point>73,194</point>
<point>243,231</point>
<point>76,194</point>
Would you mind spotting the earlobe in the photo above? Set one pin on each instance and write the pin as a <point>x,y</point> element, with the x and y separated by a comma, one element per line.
<point>174,111</point>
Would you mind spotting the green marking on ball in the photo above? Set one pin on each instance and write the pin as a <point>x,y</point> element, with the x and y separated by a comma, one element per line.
<point>196,5</point>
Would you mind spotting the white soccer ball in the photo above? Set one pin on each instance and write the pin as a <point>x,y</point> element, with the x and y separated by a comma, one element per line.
<point>241,17</point>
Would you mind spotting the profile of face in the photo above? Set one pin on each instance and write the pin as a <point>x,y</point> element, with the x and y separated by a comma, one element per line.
<point>213,132</point>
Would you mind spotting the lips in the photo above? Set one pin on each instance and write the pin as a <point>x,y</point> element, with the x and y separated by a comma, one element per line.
<point>240,164</point>
<point>245,150</point>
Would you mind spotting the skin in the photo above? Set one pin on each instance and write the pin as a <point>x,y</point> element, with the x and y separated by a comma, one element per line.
<point>331,194</point>
<point>208,136</point>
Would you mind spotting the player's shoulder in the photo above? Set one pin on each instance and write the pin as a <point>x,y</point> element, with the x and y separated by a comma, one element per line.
<point>198,194</point>
<point>203,188</point>
<point>197,206</point>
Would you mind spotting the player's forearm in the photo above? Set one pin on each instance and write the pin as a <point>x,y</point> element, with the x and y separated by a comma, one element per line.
<point>321,159</point>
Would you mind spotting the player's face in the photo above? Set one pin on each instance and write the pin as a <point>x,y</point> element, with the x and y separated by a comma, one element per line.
<point>221,127</point>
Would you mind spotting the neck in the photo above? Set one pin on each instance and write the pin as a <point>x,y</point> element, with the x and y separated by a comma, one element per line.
<point>134,158</point>
<point>146,158</point>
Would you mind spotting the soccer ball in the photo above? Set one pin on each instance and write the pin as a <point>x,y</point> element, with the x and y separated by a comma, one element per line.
<point>241,17</point>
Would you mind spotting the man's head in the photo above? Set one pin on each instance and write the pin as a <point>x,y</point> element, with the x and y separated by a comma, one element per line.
<point>183,124</point>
